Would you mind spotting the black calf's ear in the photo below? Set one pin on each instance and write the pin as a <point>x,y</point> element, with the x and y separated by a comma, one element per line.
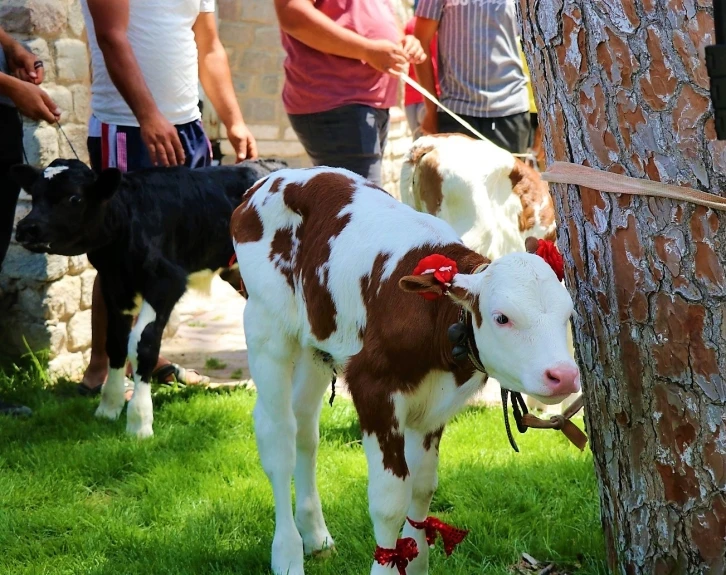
<point>106,184</point>
<point>25,176</point>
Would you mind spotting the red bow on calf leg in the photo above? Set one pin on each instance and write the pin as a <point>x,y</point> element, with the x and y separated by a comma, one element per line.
<point>450,535</point>
<point>406,551</point>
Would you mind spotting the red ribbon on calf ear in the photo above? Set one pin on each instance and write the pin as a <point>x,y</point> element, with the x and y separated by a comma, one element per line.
<point>444,269</point>
<point>548,251</point>
<point>406,551</point>
<point>450,535</point>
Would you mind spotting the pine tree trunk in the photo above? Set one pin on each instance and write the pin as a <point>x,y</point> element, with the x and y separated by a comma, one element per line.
<point>621,85</point>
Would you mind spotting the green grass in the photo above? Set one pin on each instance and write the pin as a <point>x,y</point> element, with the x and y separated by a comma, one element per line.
<point>213,363</point>
<point>77,496</point>
<point>237,373</point>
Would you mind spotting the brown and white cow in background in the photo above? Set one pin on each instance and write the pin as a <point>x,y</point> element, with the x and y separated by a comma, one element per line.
<point>327,260</point>
<point>492,199</point>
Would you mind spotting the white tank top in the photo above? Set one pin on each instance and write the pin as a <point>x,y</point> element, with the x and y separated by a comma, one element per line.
<point>161,36</point>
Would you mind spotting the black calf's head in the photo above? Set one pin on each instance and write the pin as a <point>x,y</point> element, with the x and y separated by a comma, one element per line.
<point>69,205</point>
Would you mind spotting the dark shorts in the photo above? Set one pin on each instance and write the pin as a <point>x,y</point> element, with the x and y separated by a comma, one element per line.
<point>352,137</point>
<point>11,153</point>
<point>111,146</point>
<point>509,132</point>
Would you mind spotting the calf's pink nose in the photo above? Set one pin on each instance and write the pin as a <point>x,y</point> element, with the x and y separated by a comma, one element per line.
<point>563,379</point>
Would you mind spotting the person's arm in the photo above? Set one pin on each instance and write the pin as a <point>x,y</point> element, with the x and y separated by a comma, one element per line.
<point>31,100</point>
<point>425,30</point>
<point>216,80</point>
<point>21,62</point>
<point>301,20</point>
<point>110,20</point>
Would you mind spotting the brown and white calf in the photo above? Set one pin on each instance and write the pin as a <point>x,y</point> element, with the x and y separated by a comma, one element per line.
<point>327,261</point>
<point>493,200</point>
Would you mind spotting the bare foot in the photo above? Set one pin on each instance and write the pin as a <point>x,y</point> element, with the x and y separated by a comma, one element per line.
<point>94,377</point>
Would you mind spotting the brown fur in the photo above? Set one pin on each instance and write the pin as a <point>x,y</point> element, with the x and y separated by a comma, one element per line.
<point>532,190</point>
<point>405,338</point>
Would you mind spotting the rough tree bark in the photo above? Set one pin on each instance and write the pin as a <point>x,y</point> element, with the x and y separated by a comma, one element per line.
<point>621,85</point>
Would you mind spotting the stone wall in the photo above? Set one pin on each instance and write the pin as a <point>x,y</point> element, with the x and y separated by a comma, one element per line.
<point>45,300</point>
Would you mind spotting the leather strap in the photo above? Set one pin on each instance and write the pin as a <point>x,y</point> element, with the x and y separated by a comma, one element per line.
<point>576,175</point>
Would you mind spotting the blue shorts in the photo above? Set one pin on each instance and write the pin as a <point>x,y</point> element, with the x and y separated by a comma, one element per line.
<point>111,146</point>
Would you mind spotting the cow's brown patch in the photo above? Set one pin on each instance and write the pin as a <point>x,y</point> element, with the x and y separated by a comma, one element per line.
<point>433,439</point>
<point>430,182</point>
<point>325,195</point>
<point>532,191</point>
<point>405,338</point>
<point>246,225</point>
<point>281,254</point>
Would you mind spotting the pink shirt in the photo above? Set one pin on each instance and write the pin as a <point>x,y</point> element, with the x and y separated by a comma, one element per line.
<point>318,82</point>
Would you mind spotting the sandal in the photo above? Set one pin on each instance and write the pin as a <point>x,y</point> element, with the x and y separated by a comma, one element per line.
<point>171,372</point>
<point>86,391</point>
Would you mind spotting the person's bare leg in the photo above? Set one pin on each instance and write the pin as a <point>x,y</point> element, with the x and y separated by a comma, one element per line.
<point>97,369</point>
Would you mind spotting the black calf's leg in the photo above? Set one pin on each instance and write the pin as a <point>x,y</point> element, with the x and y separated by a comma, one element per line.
<point>143,350</point>
<point>112,392</point>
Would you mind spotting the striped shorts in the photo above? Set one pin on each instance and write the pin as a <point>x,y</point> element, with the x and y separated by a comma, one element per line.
<point>111,146</point>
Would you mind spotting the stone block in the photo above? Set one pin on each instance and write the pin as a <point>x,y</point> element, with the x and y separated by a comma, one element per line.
<point>57,335</point>
<point>87,279</point>
<point>229,10</point>
<point>268,37</point>
<point>290,134</point>
<point>280,148</point>
<point>75,18</point>
<point>77,264</point>
<point>33,17</point>
<point>76,134</point>
<point>63,98</point>
<point>81,103</point>
<point>260,110</point>
<point>399,146</point>
<point>20,332</point>
<point>255,62</point>
<point>271,84</point>
<point>236,33</point>
<point>62,298</point>
<point>259,11</point>
<point>41,143</point>
<point>72,60</point>
<point>30,302</point>
<point>67,365</point>
<point>22,264</point>
<point>264,131</point>
<point>79,331</point>
<point>40,48</point>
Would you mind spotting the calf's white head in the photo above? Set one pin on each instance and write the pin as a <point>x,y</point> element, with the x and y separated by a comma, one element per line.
<point>520,317</point>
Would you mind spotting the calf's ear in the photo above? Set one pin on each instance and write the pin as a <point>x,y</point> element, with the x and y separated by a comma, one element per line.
<point>421,284</point>
<point>106,184</point>
<point>25,176</point>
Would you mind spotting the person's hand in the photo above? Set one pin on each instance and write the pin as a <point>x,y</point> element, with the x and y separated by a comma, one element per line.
<point>413,50</point>
<point>33,101</point>
<point>162,141</point>
<point>242,141</point>
<point>24,64</point>
<point>430,123</point>
<point>386,56</point>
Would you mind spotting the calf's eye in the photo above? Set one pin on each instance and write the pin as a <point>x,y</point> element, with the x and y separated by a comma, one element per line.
<point>75,199</point>
<point>501,319</point>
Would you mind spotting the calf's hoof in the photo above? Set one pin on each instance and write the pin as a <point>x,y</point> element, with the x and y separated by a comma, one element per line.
<point>109,410</point>
<point>287,555</point>
<point>325,552</point>
<point>139,430</point>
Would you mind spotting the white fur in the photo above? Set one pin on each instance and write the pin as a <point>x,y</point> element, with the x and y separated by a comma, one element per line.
<point>52,171</point>
<point>291,381</point>
<point>140,414</point>
<point>477,193</point>
<point>112,395</point>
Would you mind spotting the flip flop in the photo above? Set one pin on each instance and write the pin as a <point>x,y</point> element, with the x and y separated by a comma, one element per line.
<point>171,372</point>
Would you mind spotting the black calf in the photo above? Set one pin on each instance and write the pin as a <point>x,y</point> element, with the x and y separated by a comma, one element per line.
<point>149,234</point>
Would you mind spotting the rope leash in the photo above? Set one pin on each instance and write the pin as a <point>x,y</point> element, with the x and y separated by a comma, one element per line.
<point>429,96</point>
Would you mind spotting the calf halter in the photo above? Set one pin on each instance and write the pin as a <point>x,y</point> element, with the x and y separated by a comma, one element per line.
<point>461,334</point>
